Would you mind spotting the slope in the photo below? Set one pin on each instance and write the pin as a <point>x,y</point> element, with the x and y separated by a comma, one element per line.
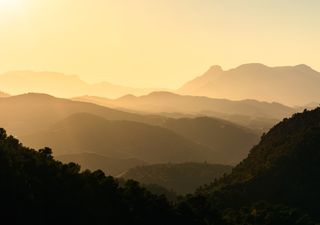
<point>82,132</point>
<point>230,140</point>
<point>182,178</point>
<point>282,169</point>
<point>36,189</point>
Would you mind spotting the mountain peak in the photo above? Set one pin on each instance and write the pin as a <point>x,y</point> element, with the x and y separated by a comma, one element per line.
<point>290,85</point>
<point>127,97</point>
<point>304,67</point>
<point>252,66</point>
<point>161,94</point>
<point>215,69</point>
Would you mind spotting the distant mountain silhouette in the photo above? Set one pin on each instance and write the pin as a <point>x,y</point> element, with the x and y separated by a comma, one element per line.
<point>23,114</point>
<point>290,85</point>
<point>251,113</point>
<point>121,139</point>
<point>156,102</point>
<point>182,178</point>
<point>91,161</point>
<point>59,84</point>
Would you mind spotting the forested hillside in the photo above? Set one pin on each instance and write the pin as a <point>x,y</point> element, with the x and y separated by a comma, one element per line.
<point>36,189</point>
<point>182,178</point>
<point>282,170</point>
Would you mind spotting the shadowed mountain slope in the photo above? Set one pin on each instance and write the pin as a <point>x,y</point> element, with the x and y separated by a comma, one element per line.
<point>182,178</point>
<point>89,133</point>
<point>121,139</point>
<point>230,140</point>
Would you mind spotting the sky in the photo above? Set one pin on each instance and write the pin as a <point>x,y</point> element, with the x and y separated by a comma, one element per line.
<point>155,43</point>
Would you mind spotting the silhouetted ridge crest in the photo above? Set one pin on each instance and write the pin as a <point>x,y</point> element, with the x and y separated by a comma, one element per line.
<point>290,85</point>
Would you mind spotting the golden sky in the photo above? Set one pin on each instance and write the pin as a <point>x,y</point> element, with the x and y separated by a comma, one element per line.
<point>155,43</point>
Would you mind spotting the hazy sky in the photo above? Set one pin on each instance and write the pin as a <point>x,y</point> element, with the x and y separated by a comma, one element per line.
<point>155,43</point>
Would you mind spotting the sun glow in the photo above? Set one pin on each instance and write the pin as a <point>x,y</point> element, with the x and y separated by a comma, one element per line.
<point>6,5</point>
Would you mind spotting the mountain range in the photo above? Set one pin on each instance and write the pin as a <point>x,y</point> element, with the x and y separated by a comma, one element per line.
<point>42,120</point>
<point>28,113</point>
<point>251,113</point>
<point>61,85</point>
<point>290,85</point>
<point>168,102</point>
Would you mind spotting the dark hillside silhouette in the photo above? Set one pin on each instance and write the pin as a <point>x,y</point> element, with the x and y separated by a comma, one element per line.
<point>35,189</point>
<point>281,171</point>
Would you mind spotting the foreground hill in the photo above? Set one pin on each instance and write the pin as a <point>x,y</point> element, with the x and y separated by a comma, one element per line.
<point>112,166</point>
<point>291,85</point>
<point>35,189</point>
<point>283,169</point>
<point>182,178</point>
<point>27,113</point>
<point>18,82</point>
<point>121,139</point>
